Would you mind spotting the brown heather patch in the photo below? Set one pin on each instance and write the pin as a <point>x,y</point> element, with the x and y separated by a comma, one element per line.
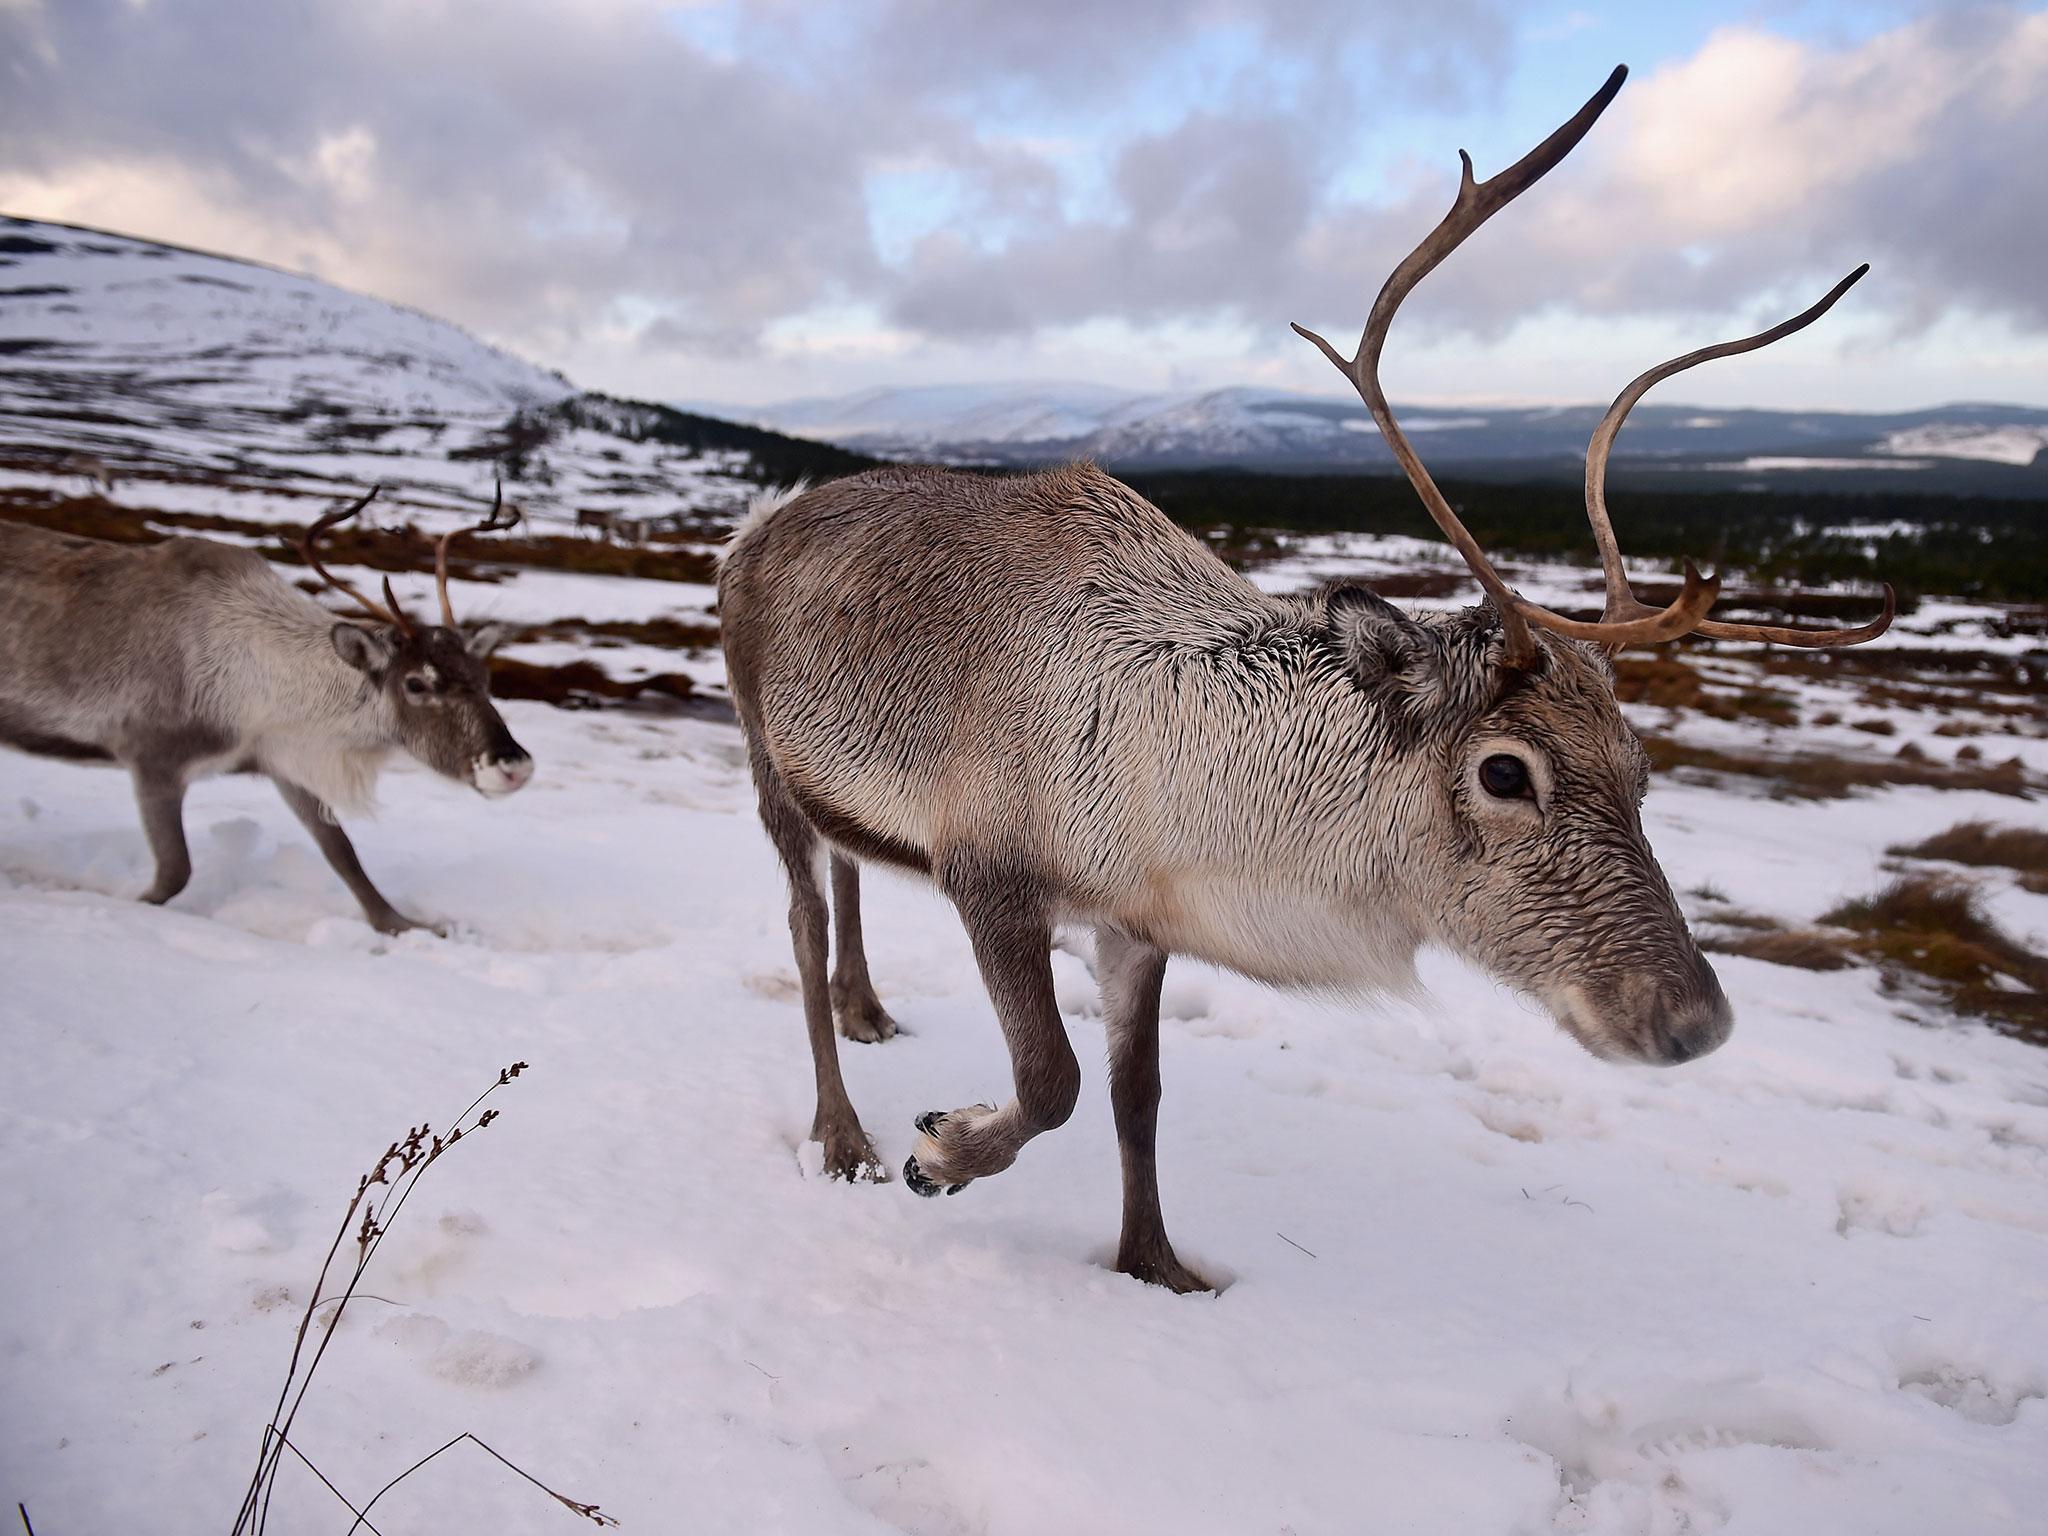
<point>582,684</point>
<point>664,634</point>
<point>1982,843</point>
<point>396,550</point>
<point>1820,776</point>
<point>1665,681</point>
<point>1807,948</point>
<point>1926,935</point>
<point>1932,930</point>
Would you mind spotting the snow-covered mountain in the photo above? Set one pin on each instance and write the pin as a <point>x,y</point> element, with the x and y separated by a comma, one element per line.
<point>1981,446</point>
<point>215,376</point>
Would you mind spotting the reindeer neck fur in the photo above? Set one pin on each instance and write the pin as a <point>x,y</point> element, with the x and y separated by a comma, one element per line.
<point>267,666</point>
<point>1289,855</point>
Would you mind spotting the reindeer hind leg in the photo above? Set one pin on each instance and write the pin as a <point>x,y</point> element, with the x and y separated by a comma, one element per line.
<point>860,1013</point>
<point>848,1152</point>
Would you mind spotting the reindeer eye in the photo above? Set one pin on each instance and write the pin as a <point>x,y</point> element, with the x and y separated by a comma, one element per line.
<point>415,687</point>
<point>1505,777</point>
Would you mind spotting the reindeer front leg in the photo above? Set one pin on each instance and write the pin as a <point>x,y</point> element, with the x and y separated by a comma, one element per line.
<point>1006,923</point>
<point>160,794</point>
<point>341,857</point>
<point>1130,972</point>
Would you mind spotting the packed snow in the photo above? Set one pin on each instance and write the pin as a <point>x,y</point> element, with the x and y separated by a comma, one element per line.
<point>1472,1280</point>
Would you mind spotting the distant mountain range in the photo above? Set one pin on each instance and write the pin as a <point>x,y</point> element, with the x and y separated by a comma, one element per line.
<point>1983,449</point>
<point>215,378</point>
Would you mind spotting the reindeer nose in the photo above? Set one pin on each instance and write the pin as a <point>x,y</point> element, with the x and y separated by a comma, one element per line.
<point>503,775</point>
<point>1693,1022</point>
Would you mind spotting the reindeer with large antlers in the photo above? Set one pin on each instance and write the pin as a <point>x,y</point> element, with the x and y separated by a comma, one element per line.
<point>189,658</point>
<point>1043,696</point>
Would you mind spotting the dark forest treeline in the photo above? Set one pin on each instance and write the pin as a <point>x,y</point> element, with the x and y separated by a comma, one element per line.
<point>1994,550</point>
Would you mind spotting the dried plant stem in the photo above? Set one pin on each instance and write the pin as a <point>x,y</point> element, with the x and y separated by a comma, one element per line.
<point>399,1170</point>
<point>589,1512</point>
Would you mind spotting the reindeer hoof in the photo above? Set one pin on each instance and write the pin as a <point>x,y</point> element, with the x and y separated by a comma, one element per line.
<point>862,1017</point>
<point>922,1184</point>
<point>851,1156</point>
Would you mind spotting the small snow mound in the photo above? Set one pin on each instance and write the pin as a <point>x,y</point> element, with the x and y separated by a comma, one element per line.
<point>1877,1206</point>
<point>236,836</point>
<point>233,1227</point>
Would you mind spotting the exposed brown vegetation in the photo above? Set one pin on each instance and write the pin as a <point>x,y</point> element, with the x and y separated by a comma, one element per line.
<point>1821,776</point>
<point>396,550</point>
<point>581,684</point>
<point>1807,948</point>
<point>1984,844</point>
<point>1932,929</point>
<point>665,634</point>
<point>1668,681</point>
<point>1926,935</point>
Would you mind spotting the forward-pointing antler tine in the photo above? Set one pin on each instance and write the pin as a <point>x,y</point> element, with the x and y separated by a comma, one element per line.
<point>1621,599</point>
<point>1810,639</point>
<point>391,614</point>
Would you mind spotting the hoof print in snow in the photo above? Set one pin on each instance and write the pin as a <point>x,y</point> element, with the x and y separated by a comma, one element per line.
<point>1976,1395</point>
<point>463,1357</point>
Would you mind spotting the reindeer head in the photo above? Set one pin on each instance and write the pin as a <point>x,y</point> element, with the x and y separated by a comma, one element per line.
<point>434,678</point>
<point>1544,875</point>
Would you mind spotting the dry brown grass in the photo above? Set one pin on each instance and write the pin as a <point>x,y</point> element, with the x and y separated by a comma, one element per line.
<point>1927,936</point>
<point>1933,930</point>
<point>581,684</point>
<point>1822,776</point>
<point>395,550</point>
<point>664,634</point>
<point>1986,845</point>
<point>1807,948</point>
<point>1666,681</point>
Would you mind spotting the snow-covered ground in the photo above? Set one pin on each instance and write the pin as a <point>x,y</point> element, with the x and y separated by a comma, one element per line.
<point>1476,1282</point>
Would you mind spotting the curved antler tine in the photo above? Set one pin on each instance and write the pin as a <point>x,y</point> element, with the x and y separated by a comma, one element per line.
<point>1476,202</point>
<point>308,551</point>
<point>500,518</point>
<point>1621,601</point>
<point>1809,639</point>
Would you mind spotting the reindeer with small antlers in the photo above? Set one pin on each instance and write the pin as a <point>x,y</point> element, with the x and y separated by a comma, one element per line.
<point>189,658</point>
<point>1047,699</point>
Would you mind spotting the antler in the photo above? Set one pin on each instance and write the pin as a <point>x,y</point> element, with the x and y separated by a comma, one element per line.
<point>1622,602</point>
<point>1627,621</point>
<point>391,613</point>
<point>501,518</point>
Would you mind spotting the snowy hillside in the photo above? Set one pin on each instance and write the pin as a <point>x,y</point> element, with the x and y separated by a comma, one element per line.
<point>1263,427</point>
<point>244,389</point>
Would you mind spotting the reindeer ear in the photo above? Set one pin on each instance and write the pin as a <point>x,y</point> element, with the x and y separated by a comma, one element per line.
<point>1378,639</point>
<point>365,650</point>
<point>486,638</point>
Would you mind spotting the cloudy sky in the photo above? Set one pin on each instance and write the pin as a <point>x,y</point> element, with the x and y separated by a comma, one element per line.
<point>747,200</point>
